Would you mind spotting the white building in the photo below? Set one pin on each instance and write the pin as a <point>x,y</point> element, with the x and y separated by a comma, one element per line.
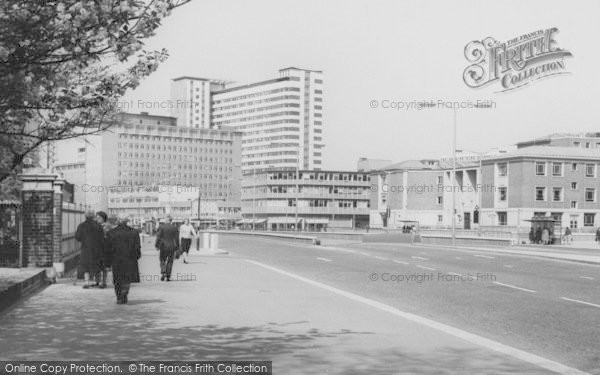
<point>191,100</point>
<point>281,120</point>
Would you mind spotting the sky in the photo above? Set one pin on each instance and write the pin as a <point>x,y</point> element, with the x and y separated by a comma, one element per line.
<point>395,51</point>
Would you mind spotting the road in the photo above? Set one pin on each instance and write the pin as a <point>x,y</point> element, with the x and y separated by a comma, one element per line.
<point>546,307</point>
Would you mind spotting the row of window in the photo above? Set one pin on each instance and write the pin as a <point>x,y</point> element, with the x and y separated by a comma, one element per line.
<point>174,139</point>
<point>558,169</point>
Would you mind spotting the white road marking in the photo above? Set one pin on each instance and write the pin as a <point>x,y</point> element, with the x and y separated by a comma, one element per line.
<point>578,301</point>
<point>507,266</point>
<point>401,262</point>
<point>381,258</point>
<point>324,259</point>
<point>414,257</point>
<point>365,254</point>
<point>426,268</point>
<point>483,256</point>
<point>458,333</point>
<point>515,287</point>
<point>586,277</point>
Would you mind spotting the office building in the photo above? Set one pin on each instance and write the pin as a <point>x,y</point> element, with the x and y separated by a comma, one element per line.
<point>281,120</point>
<point>148,150</point>
<point>317,200</point>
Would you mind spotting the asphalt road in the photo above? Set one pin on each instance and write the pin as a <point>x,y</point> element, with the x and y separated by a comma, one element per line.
<point>545,307</point>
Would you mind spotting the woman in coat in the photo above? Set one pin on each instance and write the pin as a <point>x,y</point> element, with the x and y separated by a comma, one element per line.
<point>123,251</point>
<point>90,235</point>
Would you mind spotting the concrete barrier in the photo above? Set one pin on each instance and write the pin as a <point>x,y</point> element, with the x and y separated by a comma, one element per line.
<point>388,238</point>
<point>274,235</point>
<point>466,241</point>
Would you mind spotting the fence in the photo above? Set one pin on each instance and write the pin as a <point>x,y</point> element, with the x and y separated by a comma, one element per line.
<point>40,230</point>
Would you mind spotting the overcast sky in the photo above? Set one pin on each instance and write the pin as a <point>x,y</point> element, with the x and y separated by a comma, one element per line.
<point>390,50</point>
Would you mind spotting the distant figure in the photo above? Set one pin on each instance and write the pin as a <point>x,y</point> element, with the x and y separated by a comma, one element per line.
<point>545,236</point>
<point>186,233</point>
<point>102,219</point>
<point>568,235</point>
<point>123,251</point>
<point>167,242</point>
<point>531,236</point>
<point>538,235</point>
<point>598,236</point>
<point>91,236</point>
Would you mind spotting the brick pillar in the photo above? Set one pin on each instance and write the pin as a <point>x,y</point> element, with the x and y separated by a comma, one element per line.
<point>38,196</point>
<point>57,227</point>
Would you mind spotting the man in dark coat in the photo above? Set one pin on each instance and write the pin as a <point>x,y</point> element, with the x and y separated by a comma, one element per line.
<point>123,251</point>
<point>91,236</point>
<point>167,242</point>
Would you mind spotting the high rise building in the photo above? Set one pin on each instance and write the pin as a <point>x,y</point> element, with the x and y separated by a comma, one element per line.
<point>281,120</point>
<point>191,100</point>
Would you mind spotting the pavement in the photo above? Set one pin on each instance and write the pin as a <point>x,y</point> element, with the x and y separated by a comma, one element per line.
<point>235,307</point>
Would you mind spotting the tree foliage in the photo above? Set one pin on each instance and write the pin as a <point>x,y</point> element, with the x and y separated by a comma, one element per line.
<point>65,63</point>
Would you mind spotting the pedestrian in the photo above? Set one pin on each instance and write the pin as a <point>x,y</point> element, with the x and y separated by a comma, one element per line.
<point>538,235</point>
<point>598,235</point>
<point>186,233</point>
<point>102,219</point>
<point>568,235</point>
<point>123,250</point>
<point>167,243</point>
<point>545,236</point>
<point>90,235</point>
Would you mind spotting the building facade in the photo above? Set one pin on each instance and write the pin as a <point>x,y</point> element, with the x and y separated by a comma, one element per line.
<point>191,100</point>
<point>551,181</point>
<point>317,200</point>
<point>148,150</point>
<point>281,120</point>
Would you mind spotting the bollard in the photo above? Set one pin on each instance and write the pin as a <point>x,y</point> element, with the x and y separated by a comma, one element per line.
<point>205,241</point>
<point>214,241</point>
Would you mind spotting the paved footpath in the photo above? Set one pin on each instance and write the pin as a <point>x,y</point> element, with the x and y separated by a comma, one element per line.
<point>228,308</point>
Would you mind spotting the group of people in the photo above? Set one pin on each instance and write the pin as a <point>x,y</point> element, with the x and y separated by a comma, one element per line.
<point>540,235</point>
<point>172,241</point>
<point>110,243</point>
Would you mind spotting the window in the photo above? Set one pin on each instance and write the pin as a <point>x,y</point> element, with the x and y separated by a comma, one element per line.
<point>556,169</point>
<point>573,222</point>
<point>587,144</point>
<point>440,200</point>
<point>588,220</point>
<point>577,144</point>
<point>502,193</point>
<point>556,216</point>
<point>590,195</point>
<point>557,194</point>
<point>540,193</point>
<point>440,180</point>
<point>590,170</point>
<point>502,169</point>
<point>502,218</point>
<point>573,185</point>
<point>540,169</point>
<point>573,204</point>
<point>574,166</point>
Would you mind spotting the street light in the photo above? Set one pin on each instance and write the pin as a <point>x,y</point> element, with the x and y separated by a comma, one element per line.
<point>478,105</point>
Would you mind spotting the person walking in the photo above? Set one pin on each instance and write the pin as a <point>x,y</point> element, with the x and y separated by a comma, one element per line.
<point>186,233</point>
<point>167,243</point>
<point>531,236</point>
<point>90,235</point>
<point>102,219</point>
<point>123,251</point>
<point>598,235</point>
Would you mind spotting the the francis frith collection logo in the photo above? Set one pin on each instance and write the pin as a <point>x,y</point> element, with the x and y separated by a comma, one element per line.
<point>514,63</point>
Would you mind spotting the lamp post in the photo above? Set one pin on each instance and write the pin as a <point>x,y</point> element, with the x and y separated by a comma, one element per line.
<point>479,105</point>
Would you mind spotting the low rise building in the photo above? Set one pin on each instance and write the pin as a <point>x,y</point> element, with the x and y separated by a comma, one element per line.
<point>316,200</point>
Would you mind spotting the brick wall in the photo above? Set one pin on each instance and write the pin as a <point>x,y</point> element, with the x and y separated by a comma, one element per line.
<point>38,228</point>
